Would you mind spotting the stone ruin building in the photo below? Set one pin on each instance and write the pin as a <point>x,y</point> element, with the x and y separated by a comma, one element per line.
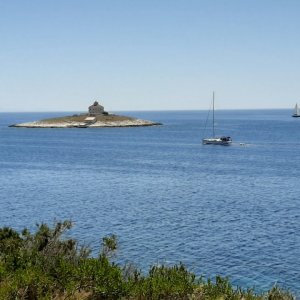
<point>96,109</point>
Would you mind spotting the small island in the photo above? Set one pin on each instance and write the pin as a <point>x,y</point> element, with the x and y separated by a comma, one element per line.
<point>95,117</point>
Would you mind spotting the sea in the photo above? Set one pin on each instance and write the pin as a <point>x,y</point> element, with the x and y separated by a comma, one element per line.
<point>232,210</point>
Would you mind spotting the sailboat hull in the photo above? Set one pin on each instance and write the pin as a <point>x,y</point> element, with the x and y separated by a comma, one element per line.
<point>224,141</point>
<point>295,115</point>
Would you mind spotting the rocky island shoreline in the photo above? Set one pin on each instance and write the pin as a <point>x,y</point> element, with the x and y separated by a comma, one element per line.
<point>96,117</point>
<point>79,121</point>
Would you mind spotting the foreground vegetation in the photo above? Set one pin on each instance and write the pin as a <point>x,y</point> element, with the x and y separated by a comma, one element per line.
<point>47,265</point>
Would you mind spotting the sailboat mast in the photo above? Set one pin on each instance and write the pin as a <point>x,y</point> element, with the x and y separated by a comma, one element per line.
<point>213,114</point>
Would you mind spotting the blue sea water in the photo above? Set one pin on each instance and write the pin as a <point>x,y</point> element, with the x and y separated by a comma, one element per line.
<point>233,211</point>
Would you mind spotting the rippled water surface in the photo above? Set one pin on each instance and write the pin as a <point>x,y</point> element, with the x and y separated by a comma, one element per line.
<point>233,211</point>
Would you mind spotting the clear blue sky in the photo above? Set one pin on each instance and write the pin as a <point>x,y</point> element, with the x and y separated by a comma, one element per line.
<point>61,55</point>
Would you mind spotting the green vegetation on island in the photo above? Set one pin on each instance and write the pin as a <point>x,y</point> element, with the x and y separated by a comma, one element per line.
<point>81,117</point>
<point>47,265</point>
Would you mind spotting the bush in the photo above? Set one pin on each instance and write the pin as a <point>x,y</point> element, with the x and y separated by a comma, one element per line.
<point>45,265</point>
<point>164,282</point>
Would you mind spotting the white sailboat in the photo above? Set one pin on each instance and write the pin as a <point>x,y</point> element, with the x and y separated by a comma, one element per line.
<point>296,111</point>
<point>222,140</point>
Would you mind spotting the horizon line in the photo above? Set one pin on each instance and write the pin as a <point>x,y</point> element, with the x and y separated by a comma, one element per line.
<point>140,110</point>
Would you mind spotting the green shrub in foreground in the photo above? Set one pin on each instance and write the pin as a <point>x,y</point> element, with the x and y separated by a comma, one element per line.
<point>44,265</point>
<point>164,282</point>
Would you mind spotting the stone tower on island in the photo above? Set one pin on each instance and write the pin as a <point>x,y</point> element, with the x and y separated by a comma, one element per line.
<point>96,109</point>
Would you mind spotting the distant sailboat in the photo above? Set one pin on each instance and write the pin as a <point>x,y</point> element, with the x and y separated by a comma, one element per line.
<point>222,140</point>
<point>296,111</point>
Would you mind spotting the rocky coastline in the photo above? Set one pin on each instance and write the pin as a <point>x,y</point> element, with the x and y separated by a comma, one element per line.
<point>86,121</point>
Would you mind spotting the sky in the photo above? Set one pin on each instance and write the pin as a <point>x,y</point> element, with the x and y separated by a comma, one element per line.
<point>62,55</point>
